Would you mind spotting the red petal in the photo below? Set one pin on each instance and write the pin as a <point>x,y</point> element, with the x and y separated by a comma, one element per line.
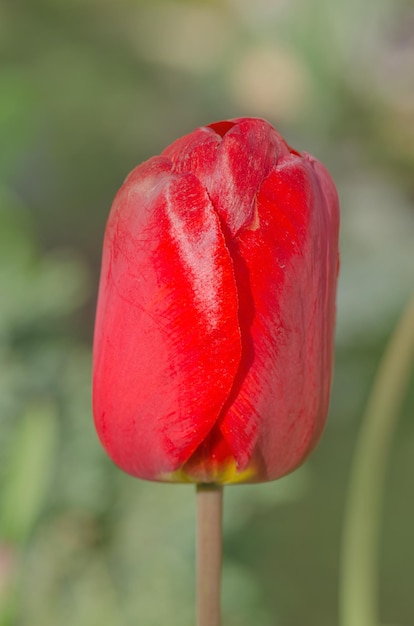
<point>167,343</point>
<point>286,272</point>
<point>195,153</point>
<point>246,155</point>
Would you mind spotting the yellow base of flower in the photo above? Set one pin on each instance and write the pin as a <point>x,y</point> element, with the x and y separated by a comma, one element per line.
<point>224,475</point>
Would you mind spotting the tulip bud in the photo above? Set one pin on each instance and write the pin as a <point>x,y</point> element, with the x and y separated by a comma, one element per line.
<point>214,330</point>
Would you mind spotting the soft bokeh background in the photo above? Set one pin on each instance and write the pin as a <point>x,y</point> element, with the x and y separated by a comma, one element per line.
<point>88,89</point>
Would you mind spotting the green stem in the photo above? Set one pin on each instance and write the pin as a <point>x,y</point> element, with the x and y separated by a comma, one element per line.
<point>358,590</point>
<point>209,549</point>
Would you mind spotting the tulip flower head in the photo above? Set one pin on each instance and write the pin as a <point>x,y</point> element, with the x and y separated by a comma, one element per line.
<point>214,330</point>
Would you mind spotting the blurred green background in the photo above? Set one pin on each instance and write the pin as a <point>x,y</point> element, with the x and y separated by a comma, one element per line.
<point>88,89</point>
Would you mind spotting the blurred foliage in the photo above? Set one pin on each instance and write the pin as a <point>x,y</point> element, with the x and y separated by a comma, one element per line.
<point>89,89</point>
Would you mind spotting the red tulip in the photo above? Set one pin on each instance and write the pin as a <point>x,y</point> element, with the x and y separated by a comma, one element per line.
<point>214,330</point>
